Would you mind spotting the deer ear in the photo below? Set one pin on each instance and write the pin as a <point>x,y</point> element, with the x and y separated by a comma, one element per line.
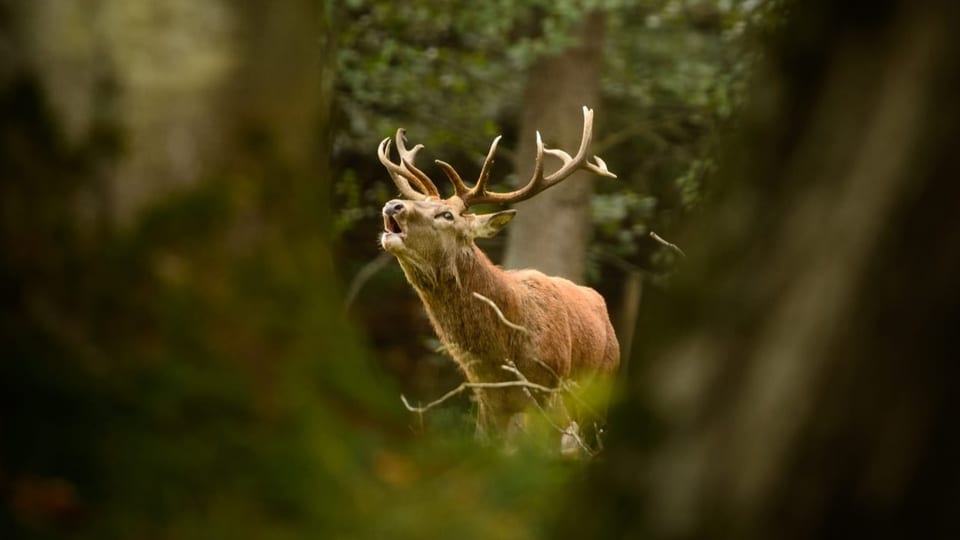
<point>488,225</point>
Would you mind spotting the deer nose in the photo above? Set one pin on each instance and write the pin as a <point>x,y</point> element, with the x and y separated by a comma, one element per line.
<point>393,207</point>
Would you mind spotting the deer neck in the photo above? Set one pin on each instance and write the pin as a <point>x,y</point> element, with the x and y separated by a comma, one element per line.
<point>462,273</point>
<point>466,325</point>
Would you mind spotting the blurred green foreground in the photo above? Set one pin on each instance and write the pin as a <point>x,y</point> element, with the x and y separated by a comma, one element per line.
<point>176,362</point>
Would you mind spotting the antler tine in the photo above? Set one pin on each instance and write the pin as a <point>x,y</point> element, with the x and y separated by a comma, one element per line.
<point>478,194</point>
<point>571,164</point>
<point>481,184</point>
<point>537,178</point>
<point>406,160</point>
<point>600,167</point>
<point>458,186</point>
<point>411,181</point>
<point>399,174</point>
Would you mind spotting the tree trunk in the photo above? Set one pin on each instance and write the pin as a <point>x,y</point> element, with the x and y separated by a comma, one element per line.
<point>800,382</point>
<point>551,230</point>
<point>210,302</point>
<point>177,77</point>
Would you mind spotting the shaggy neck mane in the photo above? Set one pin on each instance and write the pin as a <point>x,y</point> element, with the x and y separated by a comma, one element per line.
<point>463,322</point>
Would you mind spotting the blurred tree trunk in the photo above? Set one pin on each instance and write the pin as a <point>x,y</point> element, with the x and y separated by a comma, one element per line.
<point>551,231</point>
<point>186,84</point>
<point>800,381</point>
<point>114,343</point>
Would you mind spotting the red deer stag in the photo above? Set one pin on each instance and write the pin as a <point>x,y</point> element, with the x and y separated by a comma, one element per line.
<point>569,334</point>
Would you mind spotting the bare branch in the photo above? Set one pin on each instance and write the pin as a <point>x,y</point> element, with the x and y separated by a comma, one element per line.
<point>663,242</point>
<point>522,382</point>
<point>567,385</point>
<point>463,386</point>
<point>563,384</point>
<point>549,369</point>
<point>500,314</point>
<point>512,368</point>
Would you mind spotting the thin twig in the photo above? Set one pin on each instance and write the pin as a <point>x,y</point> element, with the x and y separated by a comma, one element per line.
<point>500,314</point>
<point>563,431</point>
<point>674,247</point>
<point>567,385</point>
<point>544,365</point>
<point>463,386</point>
<point>563,385</point>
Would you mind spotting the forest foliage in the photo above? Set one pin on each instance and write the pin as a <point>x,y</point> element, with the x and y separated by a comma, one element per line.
<point>673,75</point>
<point>190,372</point>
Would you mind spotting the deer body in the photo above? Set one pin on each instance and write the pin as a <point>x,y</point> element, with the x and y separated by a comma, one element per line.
<point>566,331</point>
<point>569,329</point>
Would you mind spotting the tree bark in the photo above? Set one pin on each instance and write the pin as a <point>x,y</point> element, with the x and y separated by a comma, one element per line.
<point>800,380</point>
<point>551,230</point>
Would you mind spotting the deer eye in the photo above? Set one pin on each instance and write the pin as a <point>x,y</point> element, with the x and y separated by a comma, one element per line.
<point>445,215</point>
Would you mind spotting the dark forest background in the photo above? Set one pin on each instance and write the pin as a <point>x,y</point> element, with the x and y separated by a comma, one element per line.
<point>201,339</point>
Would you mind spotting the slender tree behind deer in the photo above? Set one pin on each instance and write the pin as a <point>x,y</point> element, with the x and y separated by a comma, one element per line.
<point>566,332</point>
<point>555,84</point>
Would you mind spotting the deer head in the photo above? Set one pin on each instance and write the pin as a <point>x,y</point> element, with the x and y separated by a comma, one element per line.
<point>425,230</point>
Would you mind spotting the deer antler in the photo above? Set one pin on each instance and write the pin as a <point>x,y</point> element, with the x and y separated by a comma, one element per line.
<point>478,194</point>
<point>412,182</point>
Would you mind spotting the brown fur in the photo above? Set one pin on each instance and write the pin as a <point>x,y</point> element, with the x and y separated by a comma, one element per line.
<point>570,330</point>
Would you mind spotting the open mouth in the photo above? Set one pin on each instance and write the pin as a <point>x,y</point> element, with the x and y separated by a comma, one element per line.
<point>391,225</point>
